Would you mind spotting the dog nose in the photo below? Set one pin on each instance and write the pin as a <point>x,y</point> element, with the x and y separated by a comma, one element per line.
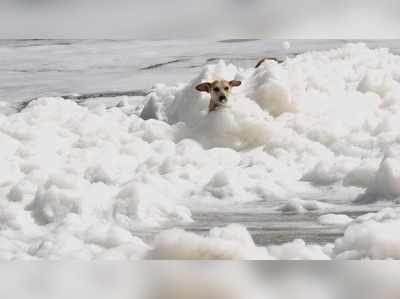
<point>222,99</point>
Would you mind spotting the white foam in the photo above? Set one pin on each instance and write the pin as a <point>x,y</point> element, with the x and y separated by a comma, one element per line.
<point>335,219</point>
<point>232,242</point>
<point>386,182</point>
<point>318,122</point>
<point>371,236</point>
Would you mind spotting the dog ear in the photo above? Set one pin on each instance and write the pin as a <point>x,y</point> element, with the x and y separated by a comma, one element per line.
<point>235,83</point>
<point>204,87</point>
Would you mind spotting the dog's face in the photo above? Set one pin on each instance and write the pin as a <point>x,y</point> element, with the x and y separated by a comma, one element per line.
<point>219,90</point>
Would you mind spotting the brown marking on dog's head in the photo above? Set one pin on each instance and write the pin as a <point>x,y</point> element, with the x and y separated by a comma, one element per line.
<point>235,83</point>
<point>204,87</point>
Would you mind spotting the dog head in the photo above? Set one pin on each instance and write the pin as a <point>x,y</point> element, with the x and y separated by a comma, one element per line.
<point>219,90</point>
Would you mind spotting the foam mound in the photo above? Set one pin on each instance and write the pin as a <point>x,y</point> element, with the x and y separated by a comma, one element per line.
<point>386,182</point>
<point>371,236</point>
<point>231,242</point>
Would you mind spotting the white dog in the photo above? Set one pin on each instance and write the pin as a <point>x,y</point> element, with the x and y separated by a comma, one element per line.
<point>219,91</point>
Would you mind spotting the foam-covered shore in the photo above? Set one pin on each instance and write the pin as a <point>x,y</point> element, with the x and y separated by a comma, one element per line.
<point>80,181</point>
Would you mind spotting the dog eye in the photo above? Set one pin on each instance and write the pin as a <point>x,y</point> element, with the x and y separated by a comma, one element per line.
<point>216,89</point>
<point>226,88</point>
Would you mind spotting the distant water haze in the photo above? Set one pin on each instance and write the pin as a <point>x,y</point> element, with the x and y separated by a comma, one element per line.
<point>199,19</point>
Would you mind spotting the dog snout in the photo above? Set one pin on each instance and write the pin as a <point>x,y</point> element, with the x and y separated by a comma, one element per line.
<point>222,99</point>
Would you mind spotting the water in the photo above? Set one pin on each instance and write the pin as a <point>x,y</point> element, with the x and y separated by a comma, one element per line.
<point>33,68</point>
<point>268,225</point>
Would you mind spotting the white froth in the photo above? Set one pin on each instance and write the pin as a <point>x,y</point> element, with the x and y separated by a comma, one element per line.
<point>81,181</point>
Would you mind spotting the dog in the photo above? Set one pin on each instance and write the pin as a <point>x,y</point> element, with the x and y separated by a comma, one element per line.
<point>276,59</point>
<point>219,91</point>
